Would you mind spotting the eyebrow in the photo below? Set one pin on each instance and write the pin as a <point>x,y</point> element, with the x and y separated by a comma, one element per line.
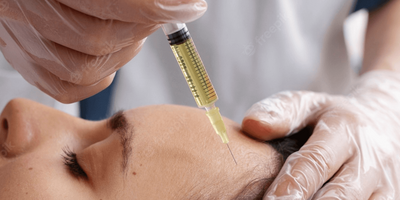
<point>118,123</point>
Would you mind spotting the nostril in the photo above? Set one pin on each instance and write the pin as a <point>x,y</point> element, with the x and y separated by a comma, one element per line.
<point>4,124</point>
<point>3,130</point>
<point>3,137</point>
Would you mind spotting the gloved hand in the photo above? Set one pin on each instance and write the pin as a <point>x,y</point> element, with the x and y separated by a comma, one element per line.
<point>354,147</point>
<point>70,49</point>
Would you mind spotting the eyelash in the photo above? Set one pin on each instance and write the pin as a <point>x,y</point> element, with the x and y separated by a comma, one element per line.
<point>72,164</point>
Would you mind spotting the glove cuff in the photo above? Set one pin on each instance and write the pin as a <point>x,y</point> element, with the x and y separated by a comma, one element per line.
<point>382,84</point>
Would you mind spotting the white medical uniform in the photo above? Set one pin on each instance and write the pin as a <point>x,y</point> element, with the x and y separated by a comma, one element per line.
<point>251,50</point>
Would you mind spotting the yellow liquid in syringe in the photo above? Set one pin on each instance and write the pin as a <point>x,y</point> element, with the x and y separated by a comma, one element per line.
<point>195,74</point>
<point>199,83</point>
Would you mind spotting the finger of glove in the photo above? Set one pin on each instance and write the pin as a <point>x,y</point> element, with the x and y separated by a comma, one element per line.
<point>141,11</point>
<point>305,171</point>
<point>70,28</point>
<point>282,114</point>
<point>388,187</point>
<point>67,64</point>
<point>20,59</point>
<point>83,69</point>
<point>382,195</point>
<point>351,182</point>
<point>63,91</point>
<point>75,93</point>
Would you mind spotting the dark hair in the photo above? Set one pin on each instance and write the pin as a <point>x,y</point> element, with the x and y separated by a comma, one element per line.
<point>284,146</point>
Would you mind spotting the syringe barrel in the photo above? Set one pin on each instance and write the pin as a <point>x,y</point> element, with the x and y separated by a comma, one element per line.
<point>191,64</point>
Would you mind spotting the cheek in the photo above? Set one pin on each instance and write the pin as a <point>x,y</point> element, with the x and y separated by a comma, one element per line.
<point>160,170</point>
<point>154,177</point>
<point>38,179</point>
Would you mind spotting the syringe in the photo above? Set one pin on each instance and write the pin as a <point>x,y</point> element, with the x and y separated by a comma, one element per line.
<point>196,76</point>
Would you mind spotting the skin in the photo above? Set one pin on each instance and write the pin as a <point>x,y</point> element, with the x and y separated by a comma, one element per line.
<point>382,41</point>
<point>175,154</point>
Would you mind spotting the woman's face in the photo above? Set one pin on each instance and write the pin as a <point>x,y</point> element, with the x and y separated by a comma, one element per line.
<point>155,152</point>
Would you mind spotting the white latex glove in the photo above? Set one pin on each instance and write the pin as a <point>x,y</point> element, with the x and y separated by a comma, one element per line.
<point>354,147</point>
<point>70,49</point>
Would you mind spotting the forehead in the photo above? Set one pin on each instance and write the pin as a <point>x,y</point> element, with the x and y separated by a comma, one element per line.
<point>183,136</point>
<point>175,127</point>
<point>187,127</point>
<point>179,126</point>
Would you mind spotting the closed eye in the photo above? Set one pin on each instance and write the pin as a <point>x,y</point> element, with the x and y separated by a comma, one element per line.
<point>72,164</point>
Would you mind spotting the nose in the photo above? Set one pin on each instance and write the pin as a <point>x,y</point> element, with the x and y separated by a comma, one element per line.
<point>26,125</point>
<point>22,126</point>
<point>19,128</point>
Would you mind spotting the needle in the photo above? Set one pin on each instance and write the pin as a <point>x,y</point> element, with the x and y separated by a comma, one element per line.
<point>231,153</point>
